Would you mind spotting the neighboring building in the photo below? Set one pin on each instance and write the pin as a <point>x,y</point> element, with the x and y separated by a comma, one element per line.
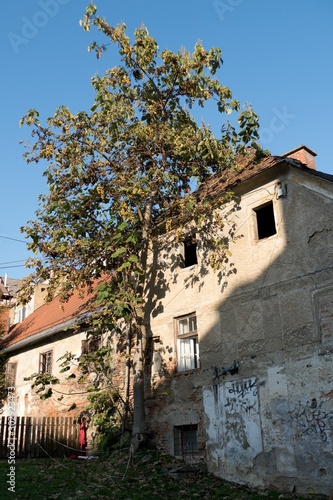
<point>242,359</point>
<point>19,312</point>
<point>242,370</point>
<point>36,344</point>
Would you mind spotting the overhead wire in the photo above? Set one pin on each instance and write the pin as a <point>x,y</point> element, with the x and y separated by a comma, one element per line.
<point>13,239</point>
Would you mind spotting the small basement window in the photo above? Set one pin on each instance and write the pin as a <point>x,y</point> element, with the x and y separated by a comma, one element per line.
<point>190,252</point>
<point>265,221</point>
<point>185,440</point>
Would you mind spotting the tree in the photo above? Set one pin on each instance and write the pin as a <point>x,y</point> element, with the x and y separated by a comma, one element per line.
<point>117,173</point>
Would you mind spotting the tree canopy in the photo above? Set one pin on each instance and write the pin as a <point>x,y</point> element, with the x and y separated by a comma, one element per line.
<point>116,171</point>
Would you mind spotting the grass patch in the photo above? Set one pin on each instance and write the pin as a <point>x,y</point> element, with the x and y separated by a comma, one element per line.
<point>148,476</point>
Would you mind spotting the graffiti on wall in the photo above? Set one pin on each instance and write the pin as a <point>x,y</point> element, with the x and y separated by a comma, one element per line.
<point>313,419</point>
<point>241,397</point>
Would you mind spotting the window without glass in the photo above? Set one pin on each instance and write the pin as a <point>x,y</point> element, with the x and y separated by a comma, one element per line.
<point>185,440</point>
<point>190,252</point>
<point>265,220</point>
<point>45,362</point>
<point>187,343</point>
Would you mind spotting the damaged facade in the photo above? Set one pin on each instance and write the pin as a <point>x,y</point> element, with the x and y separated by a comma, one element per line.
<point>242,369</point>
<point>242,359</point>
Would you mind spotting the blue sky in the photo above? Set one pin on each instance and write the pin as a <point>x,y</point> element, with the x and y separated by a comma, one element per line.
<point>277,57</point>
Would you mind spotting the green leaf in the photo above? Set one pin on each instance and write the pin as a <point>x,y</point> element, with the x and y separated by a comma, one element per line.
<point>118,252</point>
<point>125,265</point>
<point>123,225</point>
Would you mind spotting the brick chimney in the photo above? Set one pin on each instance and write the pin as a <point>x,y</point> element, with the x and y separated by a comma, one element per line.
<point>303,154</point>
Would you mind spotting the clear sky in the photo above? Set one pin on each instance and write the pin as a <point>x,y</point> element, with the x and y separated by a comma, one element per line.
<point>277,57</point>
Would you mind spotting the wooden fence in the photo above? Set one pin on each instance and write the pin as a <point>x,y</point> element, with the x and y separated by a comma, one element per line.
<point>39,437</point>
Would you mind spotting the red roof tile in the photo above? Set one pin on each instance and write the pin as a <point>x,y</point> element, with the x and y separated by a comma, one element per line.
<point>246,169</point>
<point>49,315</point>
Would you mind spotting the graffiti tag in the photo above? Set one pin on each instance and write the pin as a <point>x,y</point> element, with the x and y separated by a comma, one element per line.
<point>312,418</point>
<point>242,398</point>
<point>244,388</point>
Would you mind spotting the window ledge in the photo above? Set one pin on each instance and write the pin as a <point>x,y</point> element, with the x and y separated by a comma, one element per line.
<point>187,372</point>
<point>182,269</point>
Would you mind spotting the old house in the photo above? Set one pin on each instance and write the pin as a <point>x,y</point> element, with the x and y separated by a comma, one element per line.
<point>36,345</point>
<point>242,371</point>
<point>241,359</point>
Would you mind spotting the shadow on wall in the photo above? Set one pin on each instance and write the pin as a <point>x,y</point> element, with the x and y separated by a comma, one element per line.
<point>261,393</point>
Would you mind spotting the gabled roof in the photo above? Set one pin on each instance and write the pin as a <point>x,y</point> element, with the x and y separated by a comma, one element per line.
<point>9,287</point>
<point>48,319</point>
<point>3,291</point>
<point>247,169</point>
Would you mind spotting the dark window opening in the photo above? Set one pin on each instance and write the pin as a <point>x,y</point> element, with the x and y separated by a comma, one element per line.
<point>265,221</point>
<point>93,343</point>
<point>190,252</point>
<point>45,362</point>
<point>185,440</point>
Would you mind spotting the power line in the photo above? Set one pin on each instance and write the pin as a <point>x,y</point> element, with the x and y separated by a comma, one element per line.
<point>12,262</point>
<point>7,267</point>
<point>13,239</point>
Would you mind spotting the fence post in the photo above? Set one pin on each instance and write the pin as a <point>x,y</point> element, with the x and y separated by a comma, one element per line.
<point>2,438</point>
<point>28,437</point>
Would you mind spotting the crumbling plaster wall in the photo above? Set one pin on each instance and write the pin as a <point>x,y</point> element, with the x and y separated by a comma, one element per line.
<point>272,422</point>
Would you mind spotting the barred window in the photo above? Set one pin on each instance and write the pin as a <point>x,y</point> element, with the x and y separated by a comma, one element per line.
<point>185,440</point>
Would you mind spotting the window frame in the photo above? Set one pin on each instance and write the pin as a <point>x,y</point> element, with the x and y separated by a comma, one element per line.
<point>10,375</point>
<point>45,362</point>
<point>188,358</point>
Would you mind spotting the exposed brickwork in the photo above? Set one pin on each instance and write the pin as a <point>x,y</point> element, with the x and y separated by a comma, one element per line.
<point>304,155</point>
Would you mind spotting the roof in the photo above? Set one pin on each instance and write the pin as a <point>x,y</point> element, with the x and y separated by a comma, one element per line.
<point>9,286</point>
<point>247,169</point>
<point>3,291</point>
<point>50,318</point>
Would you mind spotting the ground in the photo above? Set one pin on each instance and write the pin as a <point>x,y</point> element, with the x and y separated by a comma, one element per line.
<point>149,475</point>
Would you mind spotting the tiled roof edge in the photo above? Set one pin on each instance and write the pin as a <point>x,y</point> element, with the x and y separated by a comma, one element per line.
<point>36,337</point>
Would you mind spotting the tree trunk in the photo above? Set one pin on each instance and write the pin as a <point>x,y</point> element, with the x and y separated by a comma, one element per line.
<point>138,433</point>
